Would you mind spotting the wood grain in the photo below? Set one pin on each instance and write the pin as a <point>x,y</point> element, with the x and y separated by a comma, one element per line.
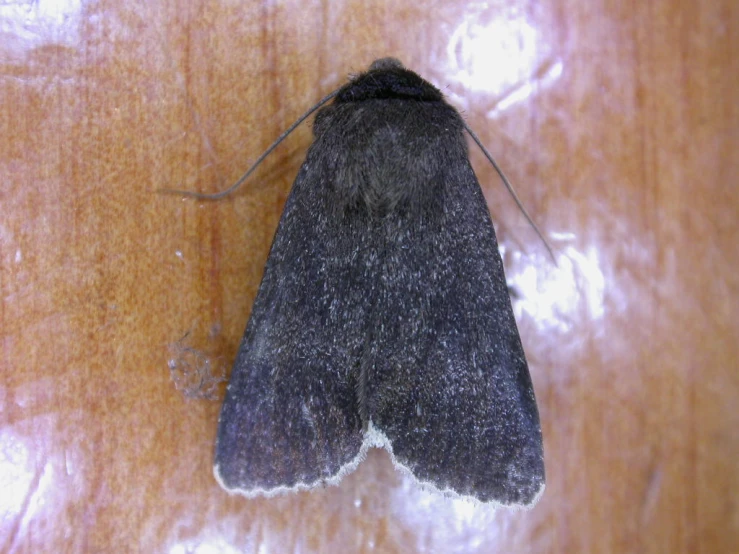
<point>618,123</point>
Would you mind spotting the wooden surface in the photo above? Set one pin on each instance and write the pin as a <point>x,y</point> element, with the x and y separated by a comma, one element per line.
<point>618,122</point>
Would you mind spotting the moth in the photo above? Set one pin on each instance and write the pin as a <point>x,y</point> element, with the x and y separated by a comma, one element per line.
<point>383,318</point>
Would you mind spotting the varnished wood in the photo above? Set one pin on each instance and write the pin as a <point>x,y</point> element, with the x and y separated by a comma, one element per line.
<point>618,124</point>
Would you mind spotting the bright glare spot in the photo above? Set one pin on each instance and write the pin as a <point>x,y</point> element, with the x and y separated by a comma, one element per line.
<point>464,510</point>
<point>526,89</point>
<point>503,57</point>
<point>29,12</point>
<point>28,25</point>
<point>214,547</point>
<point>16,475</point>
<point>492,56</point>
<point>577,279</point>
<point>57,9</point>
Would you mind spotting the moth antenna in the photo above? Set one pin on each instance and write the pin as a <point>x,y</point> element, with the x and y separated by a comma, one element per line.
<point>512,192</point>
<point>245,176</point>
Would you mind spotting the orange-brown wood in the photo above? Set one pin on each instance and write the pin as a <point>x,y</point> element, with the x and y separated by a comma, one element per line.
<point>618,122</point>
